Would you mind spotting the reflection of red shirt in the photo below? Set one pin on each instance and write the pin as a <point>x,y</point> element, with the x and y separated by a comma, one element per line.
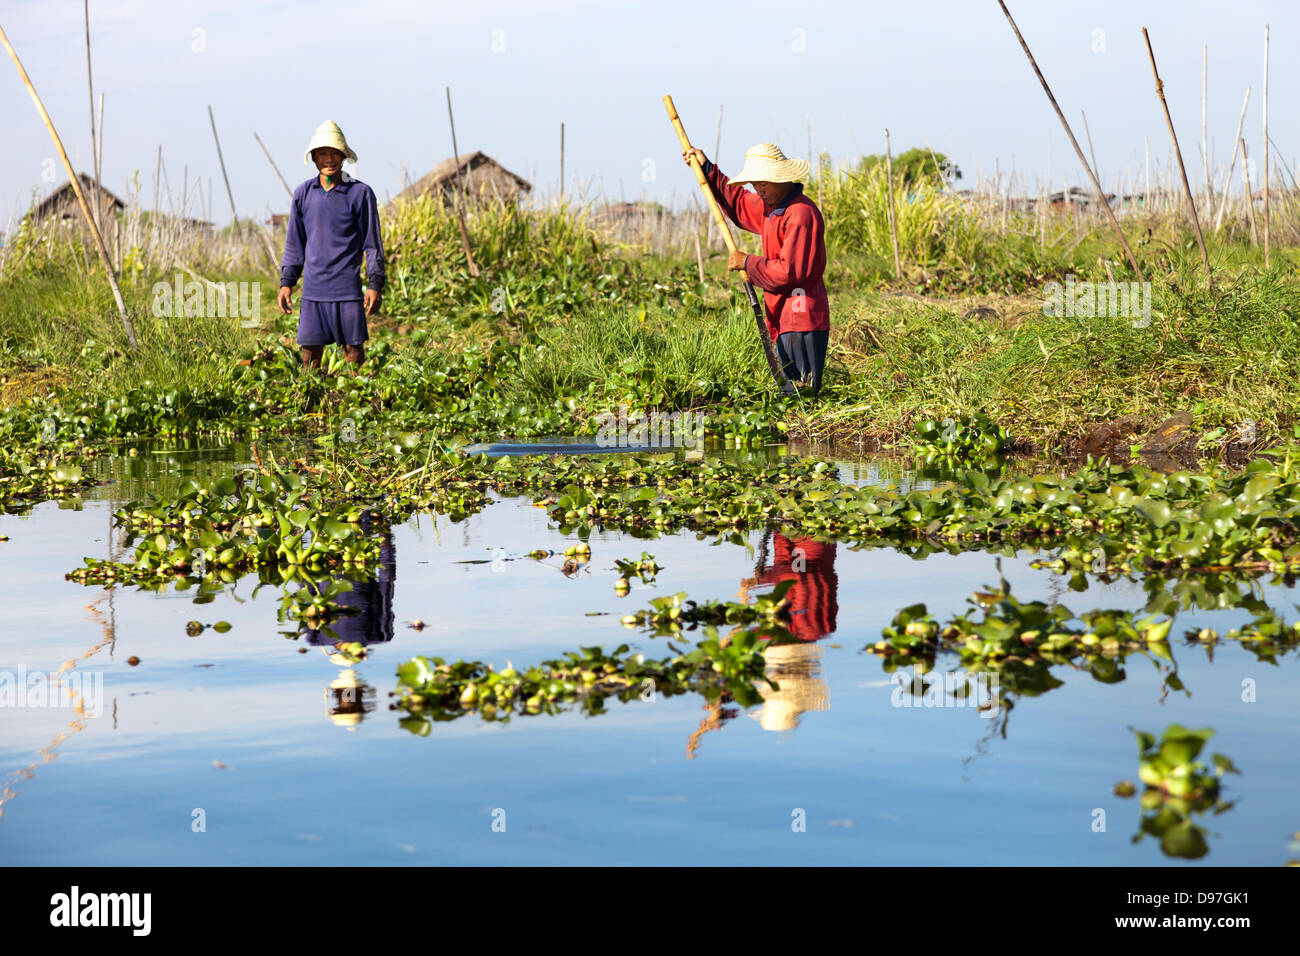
<point>812,598</point>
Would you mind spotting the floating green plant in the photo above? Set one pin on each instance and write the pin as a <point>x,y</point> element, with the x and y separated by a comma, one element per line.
<point>965,438</point>
<point>1179,788</point>
<point>432,689</point>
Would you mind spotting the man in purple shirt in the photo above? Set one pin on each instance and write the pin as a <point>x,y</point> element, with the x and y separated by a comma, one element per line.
<point>333,220</point>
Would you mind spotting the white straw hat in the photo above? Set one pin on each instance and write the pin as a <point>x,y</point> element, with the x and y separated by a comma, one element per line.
<point>329,134</point>
<point>766,163</point>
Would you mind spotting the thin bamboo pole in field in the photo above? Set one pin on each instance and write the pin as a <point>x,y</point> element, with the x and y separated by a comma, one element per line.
<point>76,188</point>
<point>1266,162</point>
<point>1088,135</point>
<point>1227,177</point>
<point>1146,195</point>
<point>1250,198</point>
<point>1128,251</point>
<point>455,192</point>
<point>1205,122</point>
<point>229,194</point>
<point>90,88</point>
<point>267,154</point>
<point>1187,189</point>
<point>561,162</point>
<point>717,143</point>
<point>893,216</point>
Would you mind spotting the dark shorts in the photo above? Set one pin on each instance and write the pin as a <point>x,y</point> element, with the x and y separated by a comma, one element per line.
<point>803,356</point>
<point>325,323</point>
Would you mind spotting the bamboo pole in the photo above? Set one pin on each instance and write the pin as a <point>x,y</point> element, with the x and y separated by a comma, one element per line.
<point>76,188</point>
<point>1182,169</point>
<point>267,154</point>
<point>1266,162</point>
<point>1205,99</point>
<point>893,219</point>
<point>90,88</point>
<point>717,143</point>
<point>1250,198</point>
<point>1101,196</point>
<point>455,191</point>
<point>229,194</point>
<point>561,162</point>
<point>1227,176</point>
<point>1088,135</point>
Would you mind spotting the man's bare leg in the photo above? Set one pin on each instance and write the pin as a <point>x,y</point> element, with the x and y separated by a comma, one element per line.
<point>311,356</point>
<point>356,354</point>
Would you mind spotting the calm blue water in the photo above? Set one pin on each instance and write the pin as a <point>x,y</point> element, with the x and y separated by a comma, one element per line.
<point>235,730</point>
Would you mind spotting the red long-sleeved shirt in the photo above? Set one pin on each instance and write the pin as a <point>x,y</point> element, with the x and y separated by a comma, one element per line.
<point>794,254</point>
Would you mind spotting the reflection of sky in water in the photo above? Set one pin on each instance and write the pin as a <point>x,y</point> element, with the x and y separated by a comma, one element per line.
<point>878,784</point>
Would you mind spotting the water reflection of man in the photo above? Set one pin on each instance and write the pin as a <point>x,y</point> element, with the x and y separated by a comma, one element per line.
<point>372,621</point>
<point>812,605</point>
<point>812,599</point>
<point>349,698</point>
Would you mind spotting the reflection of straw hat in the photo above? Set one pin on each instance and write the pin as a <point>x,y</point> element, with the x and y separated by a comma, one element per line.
<point>794,667</point>
<point>765,163</point>
<point>348,700</point>
<point>329,134</point>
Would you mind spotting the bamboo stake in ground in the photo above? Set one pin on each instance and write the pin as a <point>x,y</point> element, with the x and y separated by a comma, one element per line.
<point>1266,163</point>
<point>1101,195</point>
<point>1205,96</point>
<point>893,221</point>
<point>561,162</point>
<point>267,154</point>
<point>90,88</point>
<point>1227,177</point>
<point>1187,189</point>
<point>1250,199</point>
<point>76,188</point>
<point>769,351</point>
<point>229,194</point>
<point>455,192</point>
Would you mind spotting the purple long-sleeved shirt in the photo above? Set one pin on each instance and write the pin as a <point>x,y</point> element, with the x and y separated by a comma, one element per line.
<point>328,232</point>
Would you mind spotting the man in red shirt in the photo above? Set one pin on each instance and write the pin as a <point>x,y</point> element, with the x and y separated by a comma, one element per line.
<point>794,253</point>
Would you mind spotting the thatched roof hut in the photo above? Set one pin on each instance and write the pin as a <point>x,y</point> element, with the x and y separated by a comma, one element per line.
<point>474,174</point>
<point>62,203</point>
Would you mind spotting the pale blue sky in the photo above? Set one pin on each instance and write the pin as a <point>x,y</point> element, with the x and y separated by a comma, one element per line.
<point>947,71</point>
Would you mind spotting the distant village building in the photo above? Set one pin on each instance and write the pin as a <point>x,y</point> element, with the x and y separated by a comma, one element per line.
<point>1076,198</point>
<point>473,174</point>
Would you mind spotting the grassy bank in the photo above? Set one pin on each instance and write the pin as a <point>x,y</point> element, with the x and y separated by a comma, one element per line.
<point>564,323</point>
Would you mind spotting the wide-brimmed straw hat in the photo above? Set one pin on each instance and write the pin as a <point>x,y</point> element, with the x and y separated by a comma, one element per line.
<point>329,134</point>
<point>766,163</point>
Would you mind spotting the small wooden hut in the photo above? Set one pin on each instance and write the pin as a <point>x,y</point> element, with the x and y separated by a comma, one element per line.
<point>472,174</point>
<point>62,203</point>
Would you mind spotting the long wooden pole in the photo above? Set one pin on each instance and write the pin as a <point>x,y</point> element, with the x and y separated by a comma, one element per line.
<point>1266,162</point>
<point>1250,198</point>
<point>90,89</point>
<point>561,162</point>
<point>1101,193</point>
<point>1227,176</point>
<point>893,216</point>
<point>455,192</point>
<point>1182,169</point>
<point>229,194</point>
<point>267,154</point>
<point>1205,121</point>
<point>76,188</point>
<point>769,351</point>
